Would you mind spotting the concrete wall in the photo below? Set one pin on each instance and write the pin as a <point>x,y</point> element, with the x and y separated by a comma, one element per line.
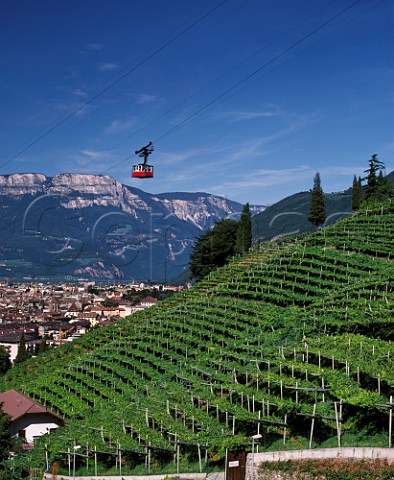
<point>358,453</point>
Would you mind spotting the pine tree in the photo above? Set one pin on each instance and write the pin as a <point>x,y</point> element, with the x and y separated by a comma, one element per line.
<point>244,232</point>
<point>317,210</point>
<point>21,356</point>
<point>357,194</point>
<point>375,165</point>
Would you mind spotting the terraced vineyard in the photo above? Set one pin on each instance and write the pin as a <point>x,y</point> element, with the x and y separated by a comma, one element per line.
<point>292,340</point>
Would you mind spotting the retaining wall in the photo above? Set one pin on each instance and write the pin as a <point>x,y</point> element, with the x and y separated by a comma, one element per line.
<point>358,453</point>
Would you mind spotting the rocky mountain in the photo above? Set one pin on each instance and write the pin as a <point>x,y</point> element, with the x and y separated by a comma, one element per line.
<point>89,226</point>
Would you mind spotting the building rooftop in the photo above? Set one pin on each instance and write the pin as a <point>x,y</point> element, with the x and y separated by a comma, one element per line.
<point>16,405</point>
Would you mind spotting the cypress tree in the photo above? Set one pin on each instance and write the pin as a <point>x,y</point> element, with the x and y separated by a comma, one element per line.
<point>357,193</point>
<point>244,232</point>
<point>21,356</point>
<point>317,210</point>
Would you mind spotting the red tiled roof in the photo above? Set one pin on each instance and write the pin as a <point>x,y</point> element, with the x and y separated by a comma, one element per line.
<point>149,300</point>
<point>15,405</point>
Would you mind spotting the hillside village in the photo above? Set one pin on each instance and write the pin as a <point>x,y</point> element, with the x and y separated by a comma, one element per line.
<point>60,313</point>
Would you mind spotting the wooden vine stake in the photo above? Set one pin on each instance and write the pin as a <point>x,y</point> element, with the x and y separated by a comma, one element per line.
<point>390,407</point>
<point>312,425</point>
<point>338,420</point>
<point>199,457</point>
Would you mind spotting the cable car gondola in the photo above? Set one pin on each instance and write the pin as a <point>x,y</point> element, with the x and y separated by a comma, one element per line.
<point>143,170</point>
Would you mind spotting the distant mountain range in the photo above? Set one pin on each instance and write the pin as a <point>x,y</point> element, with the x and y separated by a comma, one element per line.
<point>75,226</point>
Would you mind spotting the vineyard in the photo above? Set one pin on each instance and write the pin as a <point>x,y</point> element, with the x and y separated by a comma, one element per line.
<point>292,341</point>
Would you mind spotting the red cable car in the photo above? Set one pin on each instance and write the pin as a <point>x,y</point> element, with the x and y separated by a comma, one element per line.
<point>143,170</point>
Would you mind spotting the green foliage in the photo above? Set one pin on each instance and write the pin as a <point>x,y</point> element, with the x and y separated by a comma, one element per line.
<point>5,439</point>
<point>244,232</point>
<point>22,355</point>
<point>5,362</point>
<point>384,188</point>
<point>375,166</point>
<point>213,248</point>
<point>317,210</point>
<point>110,303</point>
<point>357,194</point>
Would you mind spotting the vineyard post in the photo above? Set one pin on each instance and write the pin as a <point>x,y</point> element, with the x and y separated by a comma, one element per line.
<point>390,419</point>
<point>199,457</point>
<point>46,458</point>
<point>284,430</point>
<point>95,461</point>
<point>69,461</point>
<point>312,425</point>
<point>120,459</point>
<point>390,407</point>
<point>337,424</point>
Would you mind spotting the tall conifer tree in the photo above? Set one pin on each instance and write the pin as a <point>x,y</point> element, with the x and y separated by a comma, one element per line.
<point>357,193</point>
<point>21,356</point>
<point>375,166</point>
<point>244,233</point>
<point>317,210</point>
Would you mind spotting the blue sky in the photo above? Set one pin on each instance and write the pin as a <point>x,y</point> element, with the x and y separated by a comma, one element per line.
<point>243,98</point>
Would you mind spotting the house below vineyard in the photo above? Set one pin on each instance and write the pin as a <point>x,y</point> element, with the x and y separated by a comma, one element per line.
<point>29,419</point>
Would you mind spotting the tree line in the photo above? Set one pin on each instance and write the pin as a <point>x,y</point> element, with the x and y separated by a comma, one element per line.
<point>213,248</point>
<point>230,237</point>
<point>375,189</point>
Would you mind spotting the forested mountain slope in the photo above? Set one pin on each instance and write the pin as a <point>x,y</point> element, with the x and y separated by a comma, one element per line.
<point>295,333</point>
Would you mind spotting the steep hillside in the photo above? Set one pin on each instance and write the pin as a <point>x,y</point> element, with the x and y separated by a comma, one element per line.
<point>292,340</point>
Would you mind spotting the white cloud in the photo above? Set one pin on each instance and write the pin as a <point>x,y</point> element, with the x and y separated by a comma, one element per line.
<point>117,126</point>
<point>79,93</point>
<point>105,67</point>
<point>145,98</point>
<point>92,153</point>
<point>242,115</point>
<point>95,46</point>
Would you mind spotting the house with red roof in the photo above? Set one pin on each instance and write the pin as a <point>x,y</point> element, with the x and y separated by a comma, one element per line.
<point>29,419</point>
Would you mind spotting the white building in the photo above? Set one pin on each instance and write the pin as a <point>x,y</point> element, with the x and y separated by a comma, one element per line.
<point>29,419</point>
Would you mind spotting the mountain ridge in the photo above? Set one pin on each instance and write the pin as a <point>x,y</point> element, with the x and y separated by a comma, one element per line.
<point>92,226</point>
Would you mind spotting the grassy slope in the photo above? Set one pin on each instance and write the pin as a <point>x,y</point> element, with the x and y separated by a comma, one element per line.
<point>232,353</point>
